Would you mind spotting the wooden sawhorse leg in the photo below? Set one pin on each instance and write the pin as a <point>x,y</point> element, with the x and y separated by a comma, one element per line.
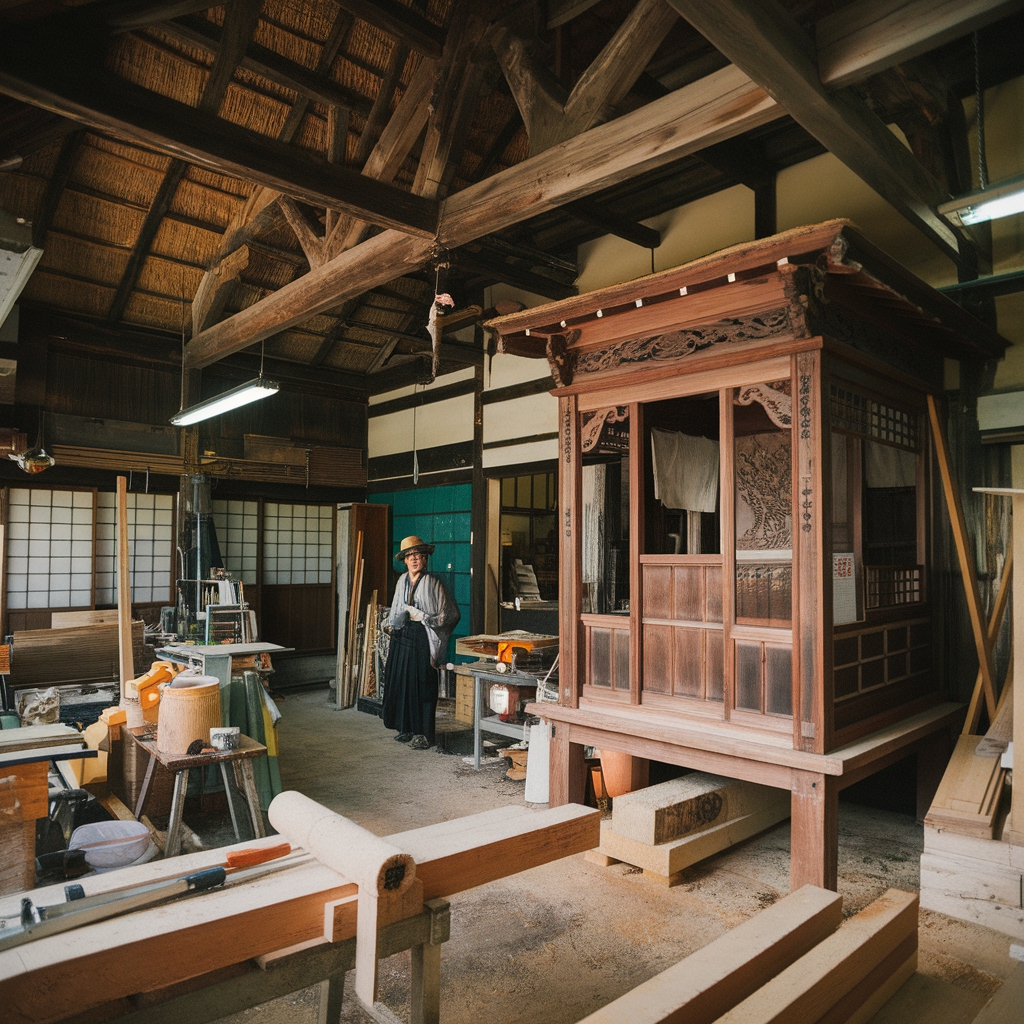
<point>814,831</point>
<point>173,847</point>
<point>246,779</point>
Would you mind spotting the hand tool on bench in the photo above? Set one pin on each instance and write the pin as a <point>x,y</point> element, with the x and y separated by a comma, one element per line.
<point>79,909</point>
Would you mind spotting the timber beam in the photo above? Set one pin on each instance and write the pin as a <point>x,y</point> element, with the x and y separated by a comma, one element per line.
<point>613,223</point>
<point>716,108</point>
<point>765,41</point>
<point>35,71</point>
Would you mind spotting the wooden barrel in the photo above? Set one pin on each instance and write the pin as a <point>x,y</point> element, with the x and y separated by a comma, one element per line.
<point>189,708</point>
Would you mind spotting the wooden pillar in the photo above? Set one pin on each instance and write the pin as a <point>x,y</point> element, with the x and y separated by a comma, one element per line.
<point>570,552</point>
<point>1016,829</point>
<point>814,831</point>
<point>124,588</point>
<point>568,771</point>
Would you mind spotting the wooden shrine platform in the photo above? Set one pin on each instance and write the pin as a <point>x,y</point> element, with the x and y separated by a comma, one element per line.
<point>814,780</point>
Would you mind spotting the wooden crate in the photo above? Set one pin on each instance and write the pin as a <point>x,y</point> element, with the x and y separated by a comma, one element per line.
<point>463,697</point>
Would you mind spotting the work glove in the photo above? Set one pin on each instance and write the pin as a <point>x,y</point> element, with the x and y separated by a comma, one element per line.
<point>414,613</point>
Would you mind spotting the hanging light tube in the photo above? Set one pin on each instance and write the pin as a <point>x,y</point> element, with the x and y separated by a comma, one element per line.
<point>1002,200</point>
<point>253,391</point>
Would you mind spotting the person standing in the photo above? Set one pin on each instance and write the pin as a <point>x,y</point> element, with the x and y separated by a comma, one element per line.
<point>422,617</point>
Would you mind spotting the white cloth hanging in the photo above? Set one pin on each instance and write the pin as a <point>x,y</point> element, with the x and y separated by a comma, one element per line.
<point>685,470</point>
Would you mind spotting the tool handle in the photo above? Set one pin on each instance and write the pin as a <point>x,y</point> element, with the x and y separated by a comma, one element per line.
<point>258,855</point>
<point>208,879</point>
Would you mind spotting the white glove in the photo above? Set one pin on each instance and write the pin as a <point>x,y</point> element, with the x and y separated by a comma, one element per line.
<point>414,613</point>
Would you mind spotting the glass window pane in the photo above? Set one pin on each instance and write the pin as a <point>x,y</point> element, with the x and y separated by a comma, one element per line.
<point>540,491</point>
<point>524,485</point>
<point>508,492</point>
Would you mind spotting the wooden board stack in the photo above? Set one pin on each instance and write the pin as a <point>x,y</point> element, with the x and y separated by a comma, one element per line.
<point>666,828</point>
<point>791,963</point>
<point>968,798</point>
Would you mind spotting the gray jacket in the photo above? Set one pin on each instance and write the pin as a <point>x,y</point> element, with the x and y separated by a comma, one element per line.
<point>439,608</point>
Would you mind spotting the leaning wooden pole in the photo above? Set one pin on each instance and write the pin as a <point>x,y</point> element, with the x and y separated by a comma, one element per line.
<point>995,622</point>
<point>966,558</point>
<point>124,588</point>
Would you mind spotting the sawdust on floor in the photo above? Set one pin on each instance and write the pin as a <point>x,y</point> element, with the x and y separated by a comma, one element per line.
<point>555,943</point>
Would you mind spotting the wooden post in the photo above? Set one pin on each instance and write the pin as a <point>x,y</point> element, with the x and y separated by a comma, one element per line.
<point>966,557</point>
<point>814,831</point>
<point>567,779</point>
<point>570,552</point>
<point>124,587</point>
<point>995,621</point>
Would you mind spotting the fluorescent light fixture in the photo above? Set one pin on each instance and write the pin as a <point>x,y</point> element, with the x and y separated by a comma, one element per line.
<point>242,395</point>
<point>991,203</point>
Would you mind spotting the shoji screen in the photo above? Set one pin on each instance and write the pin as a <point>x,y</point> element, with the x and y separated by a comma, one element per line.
<point>151,547</point>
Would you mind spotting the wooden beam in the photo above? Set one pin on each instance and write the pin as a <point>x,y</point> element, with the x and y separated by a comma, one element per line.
<point>381,108</point>
<point>614,224</point>
<point>552,117</point>
<point>311,242</point>
<point>718,107</point>
<point>863,38</point>
<point>55,188</point>
<point>36,72</point>
<point>965,555</point>
<point>216,288</point>
<point>127,15</point>
<point>405,24</point>
<point>124,589</point>
<point>767,43</point>
<point>560,12</point>
<point>310,85</point>
<point>144,240</point>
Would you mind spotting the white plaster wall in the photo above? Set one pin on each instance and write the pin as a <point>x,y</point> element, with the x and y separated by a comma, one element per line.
<point>521,454</point>
<point>521,417</point>
<point>442,382</point>
<point>446,422</point>
<point>687,233</point>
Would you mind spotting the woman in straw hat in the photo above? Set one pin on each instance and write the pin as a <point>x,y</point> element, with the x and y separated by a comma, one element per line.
<point>423,615</point>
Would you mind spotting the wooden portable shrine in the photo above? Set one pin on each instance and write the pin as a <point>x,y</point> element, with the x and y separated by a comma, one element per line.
<point>745,519</point>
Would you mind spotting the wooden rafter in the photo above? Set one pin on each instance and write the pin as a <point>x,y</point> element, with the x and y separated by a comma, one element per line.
<point>311,85</point>
<point>718,107</point>
<point>55,188</point>
<point>405,24</point>
<point>864,38</point>
<point>33,70</point>
<point>549,114</point>
<point>765,41</point>
<point>239,25</point>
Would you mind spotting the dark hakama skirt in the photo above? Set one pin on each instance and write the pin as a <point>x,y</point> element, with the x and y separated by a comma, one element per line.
<point>410,683</point>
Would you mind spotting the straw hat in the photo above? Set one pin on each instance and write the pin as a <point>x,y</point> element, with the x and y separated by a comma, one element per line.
<point>411,544</point>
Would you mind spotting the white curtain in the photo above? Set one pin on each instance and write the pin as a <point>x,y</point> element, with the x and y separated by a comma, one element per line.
<point>685,470</point>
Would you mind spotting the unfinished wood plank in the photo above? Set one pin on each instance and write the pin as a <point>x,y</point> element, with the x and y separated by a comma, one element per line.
<point>450,861</point>
<point>669,858</point>
<point>124,589</point>
<point>865,999</point>
<point>965,555</point>
<point>967,799</point>
<point>1005,1006</point>
<point>681,806</point>
<point>711,981</point>
<point>995,621</point>
<point>91,617</point>
<point>809,988</point>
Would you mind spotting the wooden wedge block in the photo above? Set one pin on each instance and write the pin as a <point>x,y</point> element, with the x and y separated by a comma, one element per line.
<point>967,799</point>
<point>680,807</point>
<point>711,981</point>
<point>667,859</point>
<point>823,978</point>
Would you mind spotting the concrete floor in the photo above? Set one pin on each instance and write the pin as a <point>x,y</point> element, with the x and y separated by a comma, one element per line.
<point>557,942</point>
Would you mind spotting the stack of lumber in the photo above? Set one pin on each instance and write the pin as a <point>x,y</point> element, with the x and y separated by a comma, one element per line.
<point>969,795</point>
<point>90,653</point>
<point>791,963</point>
<point>666,828</point>
<point>973,878</point>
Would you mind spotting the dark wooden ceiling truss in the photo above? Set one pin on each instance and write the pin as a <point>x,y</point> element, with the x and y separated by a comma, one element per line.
<point>492,137</point>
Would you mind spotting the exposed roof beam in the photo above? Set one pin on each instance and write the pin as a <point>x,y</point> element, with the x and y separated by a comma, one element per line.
<point>562,11</point>
<point>405,24</point>
<point>126,15</point>
<point>765,41</point>
<point>614,224</point>
<point>55,188</point>
<point>718,107</point>
<point>270,64</point>
<point>864,38</point>
<point>36,71</point>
